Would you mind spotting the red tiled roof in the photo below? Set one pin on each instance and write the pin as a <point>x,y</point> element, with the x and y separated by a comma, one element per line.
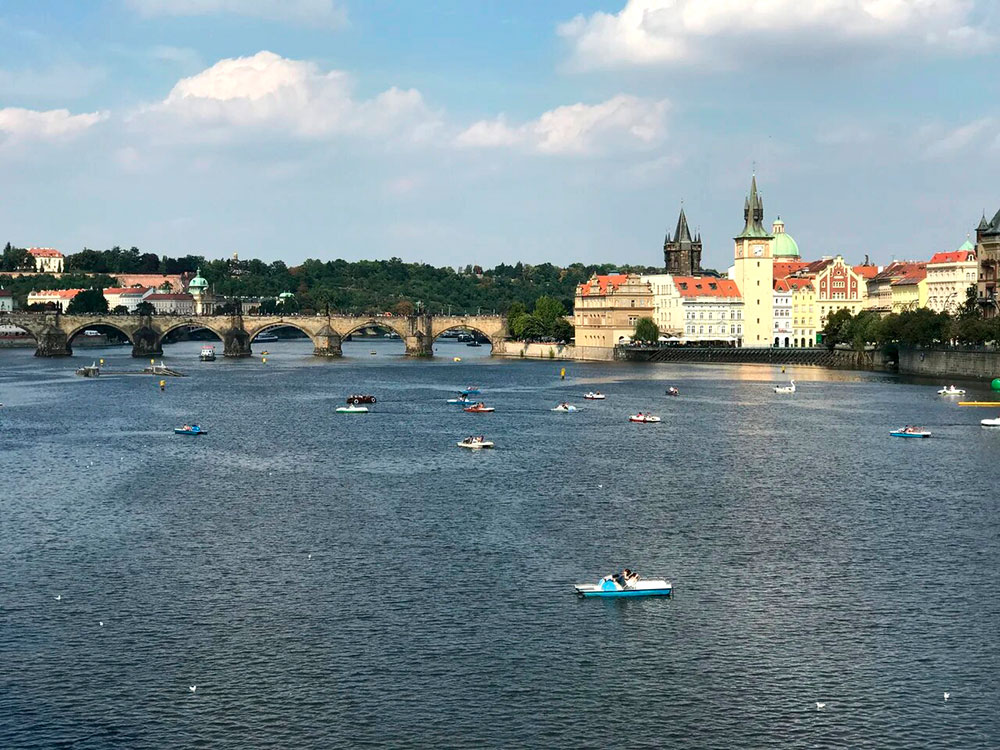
<point>783,268</point>
<point>792,284</point>
<point>957,256</point>
<point>706,286</point>
<point>61,293</point>
<point>900,268</point>
<point>866,272</point>
<point>912,278</point>
<point>5,293</point>
<point>603,282</point>
<point>124,289</point>
<point>164,296</point>
<point>45,252</point>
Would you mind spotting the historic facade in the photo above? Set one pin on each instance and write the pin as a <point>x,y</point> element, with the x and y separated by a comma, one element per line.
<point>988,253</point>
<point>681,253</point>
<point>607,308</point>
<point>753,272</point>
<point>47,259</point>
<point>950,276</point>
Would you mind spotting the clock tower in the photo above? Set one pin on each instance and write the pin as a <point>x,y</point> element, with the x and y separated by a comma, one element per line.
<point>754,271</point>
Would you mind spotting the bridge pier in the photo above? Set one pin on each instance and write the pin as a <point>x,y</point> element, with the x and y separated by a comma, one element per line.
<point>52,342</point>
<point>419,345</point>
<point>146,342</point>
<point>326,343</point>
<point>236,343</point>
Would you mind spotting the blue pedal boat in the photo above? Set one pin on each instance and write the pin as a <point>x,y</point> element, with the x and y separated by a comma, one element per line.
<point>190,430</point>
<point>470,391</point>
<point>910,432</point>
<point>609,588</point>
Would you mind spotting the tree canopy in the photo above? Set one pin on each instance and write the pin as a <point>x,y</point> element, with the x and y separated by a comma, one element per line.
<point>88,301</point>
<point>646,330</point>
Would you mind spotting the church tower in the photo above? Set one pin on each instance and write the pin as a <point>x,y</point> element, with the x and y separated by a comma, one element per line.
<point>681,253</point>
<point>754,271</point>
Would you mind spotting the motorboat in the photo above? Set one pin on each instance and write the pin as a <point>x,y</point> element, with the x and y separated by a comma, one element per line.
<point>472,390</point>
<point>373,352</point>
<point>790,388</point>
<point>361,398</point>
<point>564,407</point>
<point>89,371</point>
<point>990,422</point>
<point>461,400</point>
<point>646,418</point>
<point>475,443</point>
<point>618,585</point>
<point>671,391</point>
<point>479,408</point>
<point>910,432</point>
<point>207,354</point>
<point>951,391</point>
<point>352,409</point>
<point>265,337</point>
<point>190,429</point>
<point>473,343</point>
<point>594,396</point>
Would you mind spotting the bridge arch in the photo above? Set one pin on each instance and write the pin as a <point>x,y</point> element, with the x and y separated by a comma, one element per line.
<point>396,325</point>
<point>100,323</point>
<point>470,327</point>
<point>252,331</point>
<point>164,331</point>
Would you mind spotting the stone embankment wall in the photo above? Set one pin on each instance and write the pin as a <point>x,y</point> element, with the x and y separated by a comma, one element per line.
<point>958,363</point>
<point>818,357</point>
<point>520,349</point>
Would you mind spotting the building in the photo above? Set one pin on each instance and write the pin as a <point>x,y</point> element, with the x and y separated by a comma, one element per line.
<point>786,249</point>
<point>910,292</point>
<point>204,300</point>
<point>57,298</point>
<point>132,296</point>
<point>607,308</point>
<point>163,282</point>
<point>47,259</point>
<point>782,313</point>
<point>879,286</point>
<point>6,301</point>
<point>950,276</point>
<point>171,303</point>
<point>988,254</point>
<point>710,308</point>
<point>805,322</point>
<point>753,272</point>
<point>681,253</point>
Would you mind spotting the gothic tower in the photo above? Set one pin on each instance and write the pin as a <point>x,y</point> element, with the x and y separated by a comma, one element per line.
<point>681,254</point>
<point>754,271</point>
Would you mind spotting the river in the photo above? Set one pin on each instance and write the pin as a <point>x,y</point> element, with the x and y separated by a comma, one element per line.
<point>333,581</point>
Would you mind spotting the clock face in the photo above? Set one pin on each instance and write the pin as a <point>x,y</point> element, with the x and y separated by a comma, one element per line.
<point>758,250</point>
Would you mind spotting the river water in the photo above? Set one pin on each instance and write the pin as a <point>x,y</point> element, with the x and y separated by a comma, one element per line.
<point>334,581</point>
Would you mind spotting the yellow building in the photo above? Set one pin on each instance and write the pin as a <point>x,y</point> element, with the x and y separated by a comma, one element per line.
<point>910,292</point>
<point>880,294</point>
<point>607,308</point>
<point>804,323</point>
<point>950,276</point>
<point>753,272</point>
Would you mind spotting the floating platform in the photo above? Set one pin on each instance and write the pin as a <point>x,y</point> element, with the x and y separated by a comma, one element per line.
<point>979,403</point>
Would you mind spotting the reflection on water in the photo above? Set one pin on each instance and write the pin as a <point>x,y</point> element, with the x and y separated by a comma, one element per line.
<point>814,558</point>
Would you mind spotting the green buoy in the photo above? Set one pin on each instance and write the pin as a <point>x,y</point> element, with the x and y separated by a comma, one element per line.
<point>995,385</point>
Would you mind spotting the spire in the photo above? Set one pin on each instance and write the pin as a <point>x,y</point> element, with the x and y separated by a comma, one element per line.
<point>682,233</point>
<point>753,213</point>
<point>983,224</point>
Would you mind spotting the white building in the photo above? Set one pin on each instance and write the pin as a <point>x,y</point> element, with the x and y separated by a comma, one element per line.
<point>171,304</point>
<point>782,313</point>
<point>128,297</point>
<point>949,277</point>
<point>59,298</point>
<point>697,308</point>
<point>47,259</point>
<point>6,301</point>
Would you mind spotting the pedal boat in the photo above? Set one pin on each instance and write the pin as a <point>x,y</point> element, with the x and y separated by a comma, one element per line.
<point>990,422</point>
<point>951,391</point>
<point>475,443</point>
<point>479,409</point>
<point>565,408</point>
<point>472,390</point>
<point>910,433</point>
<point>591,396</point>
<point>190,430</point>
<point>608,588</point>
<point>461,400</point>
<point>352,409</point>
<point>644,418</point>
<point>671,391</point>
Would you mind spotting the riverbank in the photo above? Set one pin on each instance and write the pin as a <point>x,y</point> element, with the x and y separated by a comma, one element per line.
<point>974,363</point>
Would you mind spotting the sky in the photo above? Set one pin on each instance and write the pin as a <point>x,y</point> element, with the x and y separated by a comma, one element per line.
<point>484,131</point>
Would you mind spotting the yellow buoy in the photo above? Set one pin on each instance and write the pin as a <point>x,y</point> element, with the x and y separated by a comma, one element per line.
<point>163,385</point>
<point>263,360</point>
<point>562,374</point>
<point>457,359</point>
<point>152,361</point>
<point>102,360</point>
<point>782,368</point>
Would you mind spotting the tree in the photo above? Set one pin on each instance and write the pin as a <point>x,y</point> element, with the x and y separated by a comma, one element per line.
<point>403,307</point>
<point>646,330</point>
<point>120,310</point>
<point>145,308</point>
<point>548,310</point>
<point>837,328</point>
<point>88,301</point>
<point>16,259</point>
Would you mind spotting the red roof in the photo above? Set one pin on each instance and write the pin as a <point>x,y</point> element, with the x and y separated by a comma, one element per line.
<point>62,293</point>
<point>792,284</point>
<point>866,272</point>
<point>164,296</point>
<point>783,268</point>
<point>603,283</point>
<point>900,268</point>
<point>45,252</point>
<point>916,277</point>
<point>957,256</point>
<point>124,289</point>
<point>5,293</point>
<point>706,286</point>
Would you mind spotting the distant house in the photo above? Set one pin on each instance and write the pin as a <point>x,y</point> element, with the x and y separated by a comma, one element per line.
<point>47,259</point>
<point>128,297</point>
<point>58,298</point>
<point>170,303</point>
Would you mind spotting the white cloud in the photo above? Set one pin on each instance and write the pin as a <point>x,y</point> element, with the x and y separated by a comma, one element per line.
<point>29,124</point>
<point>623,121</point>
<point>659,32</point>
<point>946,142</point>
<point>305,12</point>
<point>269,92</point>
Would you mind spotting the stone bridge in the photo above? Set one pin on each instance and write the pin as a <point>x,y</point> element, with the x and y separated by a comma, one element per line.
<point>54,332</point>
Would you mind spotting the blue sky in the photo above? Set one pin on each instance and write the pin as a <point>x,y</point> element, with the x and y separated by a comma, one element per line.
<point>454,132</point>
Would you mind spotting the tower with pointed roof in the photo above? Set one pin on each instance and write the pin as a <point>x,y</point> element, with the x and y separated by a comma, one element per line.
<point>753,271</point>
<point>681,252</point>
<point>988,255</point>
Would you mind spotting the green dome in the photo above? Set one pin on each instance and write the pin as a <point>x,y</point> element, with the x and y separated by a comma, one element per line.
<point>785,246</point>
<point>198,282</point>
<point>286,295</point>
<point>966,247</point>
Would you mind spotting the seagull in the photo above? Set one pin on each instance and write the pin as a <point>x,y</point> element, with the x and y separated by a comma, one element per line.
<point>947,696</point>
<point>58,597</point>
<point>193,688</point>
<point>820,706</point>
<point>310,556</point>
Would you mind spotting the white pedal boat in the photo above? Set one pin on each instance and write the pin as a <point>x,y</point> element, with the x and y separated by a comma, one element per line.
<point>951,391</point>
<point>990,422</point>
<point>645,418</point>
<point>790,388</point>
<point>594,396</point>
<point>352,409</point>
<point>475,443</point>
<point>609,588</point>
<point>565,408</point>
